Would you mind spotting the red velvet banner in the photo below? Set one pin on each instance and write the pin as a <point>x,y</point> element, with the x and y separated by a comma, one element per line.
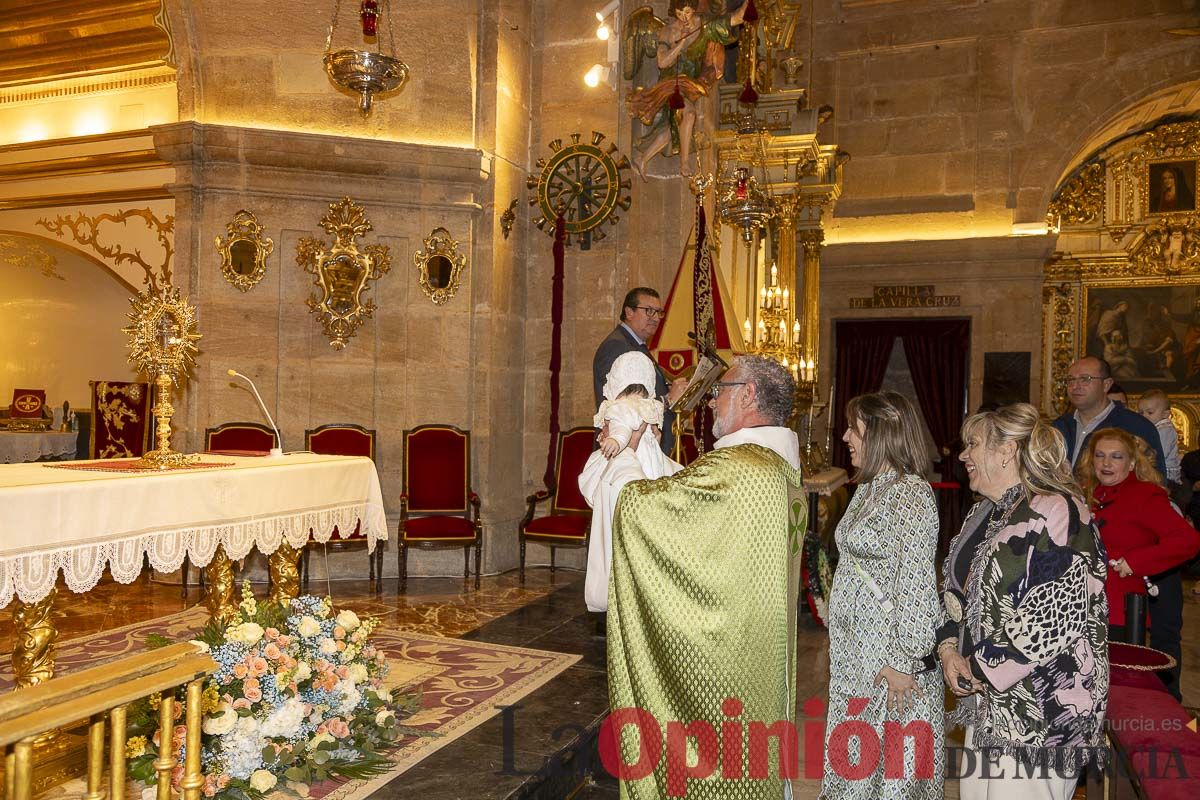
<point>556,316</point>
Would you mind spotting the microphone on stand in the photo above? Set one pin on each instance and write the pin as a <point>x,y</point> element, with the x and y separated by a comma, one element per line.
<point>278,449</point>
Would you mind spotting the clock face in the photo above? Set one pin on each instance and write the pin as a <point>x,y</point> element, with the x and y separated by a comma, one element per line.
<point>584,180</point>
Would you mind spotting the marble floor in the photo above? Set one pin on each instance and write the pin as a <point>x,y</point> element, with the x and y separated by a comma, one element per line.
<point>511,755</point>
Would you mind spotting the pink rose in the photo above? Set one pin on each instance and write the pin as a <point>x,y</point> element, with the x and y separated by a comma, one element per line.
<point>272,651</point>
<point>240,671</point>
<point>339,728</point>
<point>240,703</point>
<point>339,632</point>
<point>271,633</point>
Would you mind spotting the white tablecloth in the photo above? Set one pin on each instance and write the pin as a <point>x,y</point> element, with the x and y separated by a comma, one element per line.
<point>80,522</point>
<point>18,447</point>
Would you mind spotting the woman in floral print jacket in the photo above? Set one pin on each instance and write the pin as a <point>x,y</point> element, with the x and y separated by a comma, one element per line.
<point>1025,646</point>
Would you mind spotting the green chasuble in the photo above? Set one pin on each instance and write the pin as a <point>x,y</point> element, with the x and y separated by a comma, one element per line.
<point>702,608</point>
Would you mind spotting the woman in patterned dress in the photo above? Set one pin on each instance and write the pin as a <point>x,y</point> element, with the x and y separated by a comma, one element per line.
<point>1025,645</point>
<point>884,728</point>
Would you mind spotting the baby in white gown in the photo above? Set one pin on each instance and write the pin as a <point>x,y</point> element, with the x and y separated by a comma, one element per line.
<point>628,404</point>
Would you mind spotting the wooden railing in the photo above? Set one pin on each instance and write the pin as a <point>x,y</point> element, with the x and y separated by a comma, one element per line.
<point>31,716</point>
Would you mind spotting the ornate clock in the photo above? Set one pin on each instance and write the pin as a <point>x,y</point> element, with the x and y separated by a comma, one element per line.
<point>585,181</point>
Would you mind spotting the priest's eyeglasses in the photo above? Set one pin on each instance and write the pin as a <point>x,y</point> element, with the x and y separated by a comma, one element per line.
<point>652,312</point>
<point>716,389</point>
<point>1082,380</point>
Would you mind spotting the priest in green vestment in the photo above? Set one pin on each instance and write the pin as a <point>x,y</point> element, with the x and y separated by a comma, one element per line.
<point>702,608</point>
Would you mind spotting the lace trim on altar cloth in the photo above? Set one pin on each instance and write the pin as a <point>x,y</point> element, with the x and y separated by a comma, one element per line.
<point>30,577</point>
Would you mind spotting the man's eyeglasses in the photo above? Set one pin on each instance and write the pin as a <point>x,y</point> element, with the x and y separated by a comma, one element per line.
<point>652,312</point>
<point>715,391</point>
<point>1082,380</point>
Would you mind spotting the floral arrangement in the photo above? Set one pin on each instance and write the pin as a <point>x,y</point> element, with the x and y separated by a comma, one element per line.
<point>297,698</point>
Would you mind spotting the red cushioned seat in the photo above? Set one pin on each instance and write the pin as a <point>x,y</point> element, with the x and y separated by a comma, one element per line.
<point>239,437</point>
<point>1163,775</point>
<point>570,517</point>
<point>1136,679</point>
<point>438,507</point>
<point>1149,719</point>
<point>346,439</point>
<point>439,528</point>
<point>561,525</point>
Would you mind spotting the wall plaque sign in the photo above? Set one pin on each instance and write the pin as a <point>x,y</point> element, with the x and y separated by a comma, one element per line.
<point>905,296</point>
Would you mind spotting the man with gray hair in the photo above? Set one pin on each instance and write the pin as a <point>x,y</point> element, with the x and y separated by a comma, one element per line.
<point>702,602</point>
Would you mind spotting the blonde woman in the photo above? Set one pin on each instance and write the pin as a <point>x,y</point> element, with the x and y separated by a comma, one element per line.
<point>883,613</point>
<point>1025,645</point>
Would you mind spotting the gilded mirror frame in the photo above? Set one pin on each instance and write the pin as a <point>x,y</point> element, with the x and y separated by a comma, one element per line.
<point>244,228</point>
<point>439,245</point>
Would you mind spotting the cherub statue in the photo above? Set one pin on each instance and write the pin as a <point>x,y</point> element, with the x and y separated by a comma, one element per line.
<point>690,53</point>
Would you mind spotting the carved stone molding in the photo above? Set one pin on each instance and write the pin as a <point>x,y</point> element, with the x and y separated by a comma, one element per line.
<point>1060,309</point>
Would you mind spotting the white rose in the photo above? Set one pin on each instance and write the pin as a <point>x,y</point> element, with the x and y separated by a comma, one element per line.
<point>358,673</point>
<point>308,627</point>
<point>251,632</point>
<point>150,793</point>
<point>303,672</point>
<point>263,780</point>
<point>222,722</point>
<point>328,646</point>
<point>314,742</point>
<point>247,724</point>
<point>384,718</point>
<point>348,620</point>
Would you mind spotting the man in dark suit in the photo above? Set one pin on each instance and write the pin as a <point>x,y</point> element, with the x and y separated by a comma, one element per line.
<point>641,314</point>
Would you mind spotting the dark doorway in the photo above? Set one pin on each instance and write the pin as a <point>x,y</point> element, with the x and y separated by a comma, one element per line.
<point>937,357</point>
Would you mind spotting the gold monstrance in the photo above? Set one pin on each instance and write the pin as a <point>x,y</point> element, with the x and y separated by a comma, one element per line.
<point>162,343</point>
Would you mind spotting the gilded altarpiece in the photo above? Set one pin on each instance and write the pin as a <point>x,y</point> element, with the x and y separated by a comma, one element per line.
<point>1125,283</point>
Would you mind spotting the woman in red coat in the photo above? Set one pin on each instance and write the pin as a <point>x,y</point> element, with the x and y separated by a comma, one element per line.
<point>1143,533</point>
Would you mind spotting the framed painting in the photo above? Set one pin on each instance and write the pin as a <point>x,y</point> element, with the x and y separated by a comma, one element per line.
<point>1171,186</point>
<point>1149,335</point>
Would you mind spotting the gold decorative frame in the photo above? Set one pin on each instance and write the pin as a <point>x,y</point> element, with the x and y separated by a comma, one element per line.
<point>244,230</point>
<point>1148,167</point>
<point>1069,295</point>
<point>440,266</point>
<point>342,271</point>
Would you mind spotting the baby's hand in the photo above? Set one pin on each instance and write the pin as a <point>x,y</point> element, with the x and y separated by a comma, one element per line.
<point>610,447</point>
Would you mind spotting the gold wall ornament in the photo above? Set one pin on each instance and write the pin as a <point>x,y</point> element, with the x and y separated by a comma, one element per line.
<point>1080,201</point>
<point>1060,311</point>
<point>584,181</point>
<point>244,253</point>
<point>24,254</point>
<point>439,266</point>
<point>86,230</point>
<point>162,343</point>
<point>509,218</point>
<point>1166,247</point>
<point>342,271</point>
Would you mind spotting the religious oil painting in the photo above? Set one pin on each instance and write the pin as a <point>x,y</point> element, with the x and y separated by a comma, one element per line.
<point>1149,335</point>
<point>1172,187</point>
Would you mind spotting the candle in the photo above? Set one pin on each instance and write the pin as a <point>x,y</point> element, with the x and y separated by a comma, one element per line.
<point>774,273</point>
<point>747,331</point>
<point>796,332</point>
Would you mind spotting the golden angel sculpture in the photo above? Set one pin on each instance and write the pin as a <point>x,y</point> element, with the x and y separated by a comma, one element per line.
<point>689,51</point>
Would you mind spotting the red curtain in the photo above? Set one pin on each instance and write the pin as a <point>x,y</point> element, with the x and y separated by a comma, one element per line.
<point>863,350</point>
<point>937,352</point>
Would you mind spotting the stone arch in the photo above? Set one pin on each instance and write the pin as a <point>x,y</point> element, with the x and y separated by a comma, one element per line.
<point>56,244</point>
<point>1105,99</point>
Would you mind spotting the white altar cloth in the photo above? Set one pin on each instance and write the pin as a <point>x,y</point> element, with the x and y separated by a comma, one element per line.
<point>17,447</point>
<point>80,522</point>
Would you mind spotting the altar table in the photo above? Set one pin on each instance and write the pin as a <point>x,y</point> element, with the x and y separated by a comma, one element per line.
<point>17,447</point>
<point>81,522</point>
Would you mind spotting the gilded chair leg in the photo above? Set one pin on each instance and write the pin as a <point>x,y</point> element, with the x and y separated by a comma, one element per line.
<point>522,536</point>
<point>478,558</point>
<point>402,563</point>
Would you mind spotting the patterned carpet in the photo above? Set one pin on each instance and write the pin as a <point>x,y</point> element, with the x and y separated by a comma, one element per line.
<point>461,683</point>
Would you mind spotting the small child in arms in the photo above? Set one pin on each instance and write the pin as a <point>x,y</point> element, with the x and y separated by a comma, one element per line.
<point>625,415</point>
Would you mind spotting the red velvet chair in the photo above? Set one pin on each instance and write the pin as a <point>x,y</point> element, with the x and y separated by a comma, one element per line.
<point>345,440</point>
<point>438,508</point>
<point>237,438</point>
<point>570,517</point>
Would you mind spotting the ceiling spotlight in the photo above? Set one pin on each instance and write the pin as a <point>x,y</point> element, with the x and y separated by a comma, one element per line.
<point>593,76</point>
<point>602,32</point>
